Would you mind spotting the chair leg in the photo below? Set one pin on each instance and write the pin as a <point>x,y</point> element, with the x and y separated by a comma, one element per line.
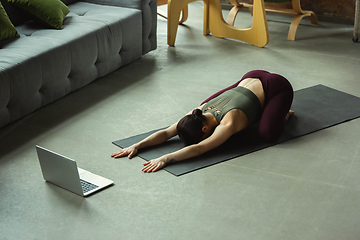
<point>295,24</point>
<point>257,35</point>
<point>174,9</point>
<point>184,12</point>
<point>233,12</point>
<point>206,28</point>
<point>162,2</point>
<point>184,15</point>
<point>297,18</point>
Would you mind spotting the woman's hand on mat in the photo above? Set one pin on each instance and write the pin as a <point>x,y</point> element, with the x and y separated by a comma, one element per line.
<point>129,151</point>
<point>154,165</point>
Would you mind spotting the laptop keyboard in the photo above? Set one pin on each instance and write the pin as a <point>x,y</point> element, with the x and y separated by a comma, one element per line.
<point>86,186</point>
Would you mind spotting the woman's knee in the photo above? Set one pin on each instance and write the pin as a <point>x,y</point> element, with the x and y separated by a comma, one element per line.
<point>270,133</point>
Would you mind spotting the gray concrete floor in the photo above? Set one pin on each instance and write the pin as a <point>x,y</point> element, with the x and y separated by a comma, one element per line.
<point>307,188</point>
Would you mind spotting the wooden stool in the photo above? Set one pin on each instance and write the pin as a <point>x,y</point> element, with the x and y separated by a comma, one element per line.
<point>299,14</point>
<point>214,23</point>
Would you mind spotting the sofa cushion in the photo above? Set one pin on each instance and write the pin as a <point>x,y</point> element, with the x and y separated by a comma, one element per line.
<point>7,29</point>
<point>49,12</point>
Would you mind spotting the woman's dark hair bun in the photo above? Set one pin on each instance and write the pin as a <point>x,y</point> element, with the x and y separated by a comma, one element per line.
<point>189,128</point>
<point>197,112</point>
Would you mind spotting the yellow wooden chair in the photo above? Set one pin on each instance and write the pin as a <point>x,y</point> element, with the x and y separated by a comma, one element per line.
<point>214,23</point>
<point>296,10</point>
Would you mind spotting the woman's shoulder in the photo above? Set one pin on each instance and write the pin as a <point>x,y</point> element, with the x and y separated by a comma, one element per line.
<point>236,119</point>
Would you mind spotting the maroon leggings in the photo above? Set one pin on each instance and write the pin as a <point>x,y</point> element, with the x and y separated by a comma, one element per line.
<point>278,98</point>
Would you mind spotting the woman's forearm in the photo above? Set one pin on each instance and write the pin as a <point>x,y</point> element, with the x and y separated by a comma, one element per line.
<point>153,139</point>
<point>183,154</point>
<point>157,137</point>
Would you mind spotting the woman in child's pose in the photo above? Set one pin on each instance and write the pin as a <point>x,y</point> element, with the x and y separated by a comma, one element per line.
<point>259,95</point>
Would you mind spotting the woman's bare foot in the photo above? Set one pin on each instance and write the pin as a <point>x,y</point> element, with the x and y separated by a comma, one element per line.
<point>290,113</point>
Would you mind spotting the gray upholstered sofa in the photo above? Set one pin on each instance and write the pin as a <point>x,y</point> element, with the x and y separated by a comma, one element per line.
<point>97,37</point>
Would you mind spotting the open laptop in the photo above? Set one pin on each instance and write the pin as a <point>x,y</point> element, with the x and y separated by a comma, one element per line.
<point>63,172</point>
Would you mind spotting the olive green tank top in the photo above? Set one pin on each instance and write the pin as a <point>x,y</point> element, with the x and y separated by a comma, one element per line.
<point>237,98</point>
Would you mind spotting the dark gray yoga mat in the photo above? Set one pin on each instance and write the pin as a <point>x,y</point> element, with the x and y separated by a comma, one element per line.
<point>316,108</point>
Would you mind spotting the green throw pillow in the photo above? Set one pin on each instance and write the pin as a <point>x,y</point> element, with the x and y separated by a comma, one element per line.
<point>50,12</point>
<point>7,29</point>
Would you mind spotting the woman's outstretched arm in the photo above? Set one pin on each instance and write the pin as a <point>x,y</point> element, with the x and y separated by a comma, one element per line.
<point>154,139</point>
